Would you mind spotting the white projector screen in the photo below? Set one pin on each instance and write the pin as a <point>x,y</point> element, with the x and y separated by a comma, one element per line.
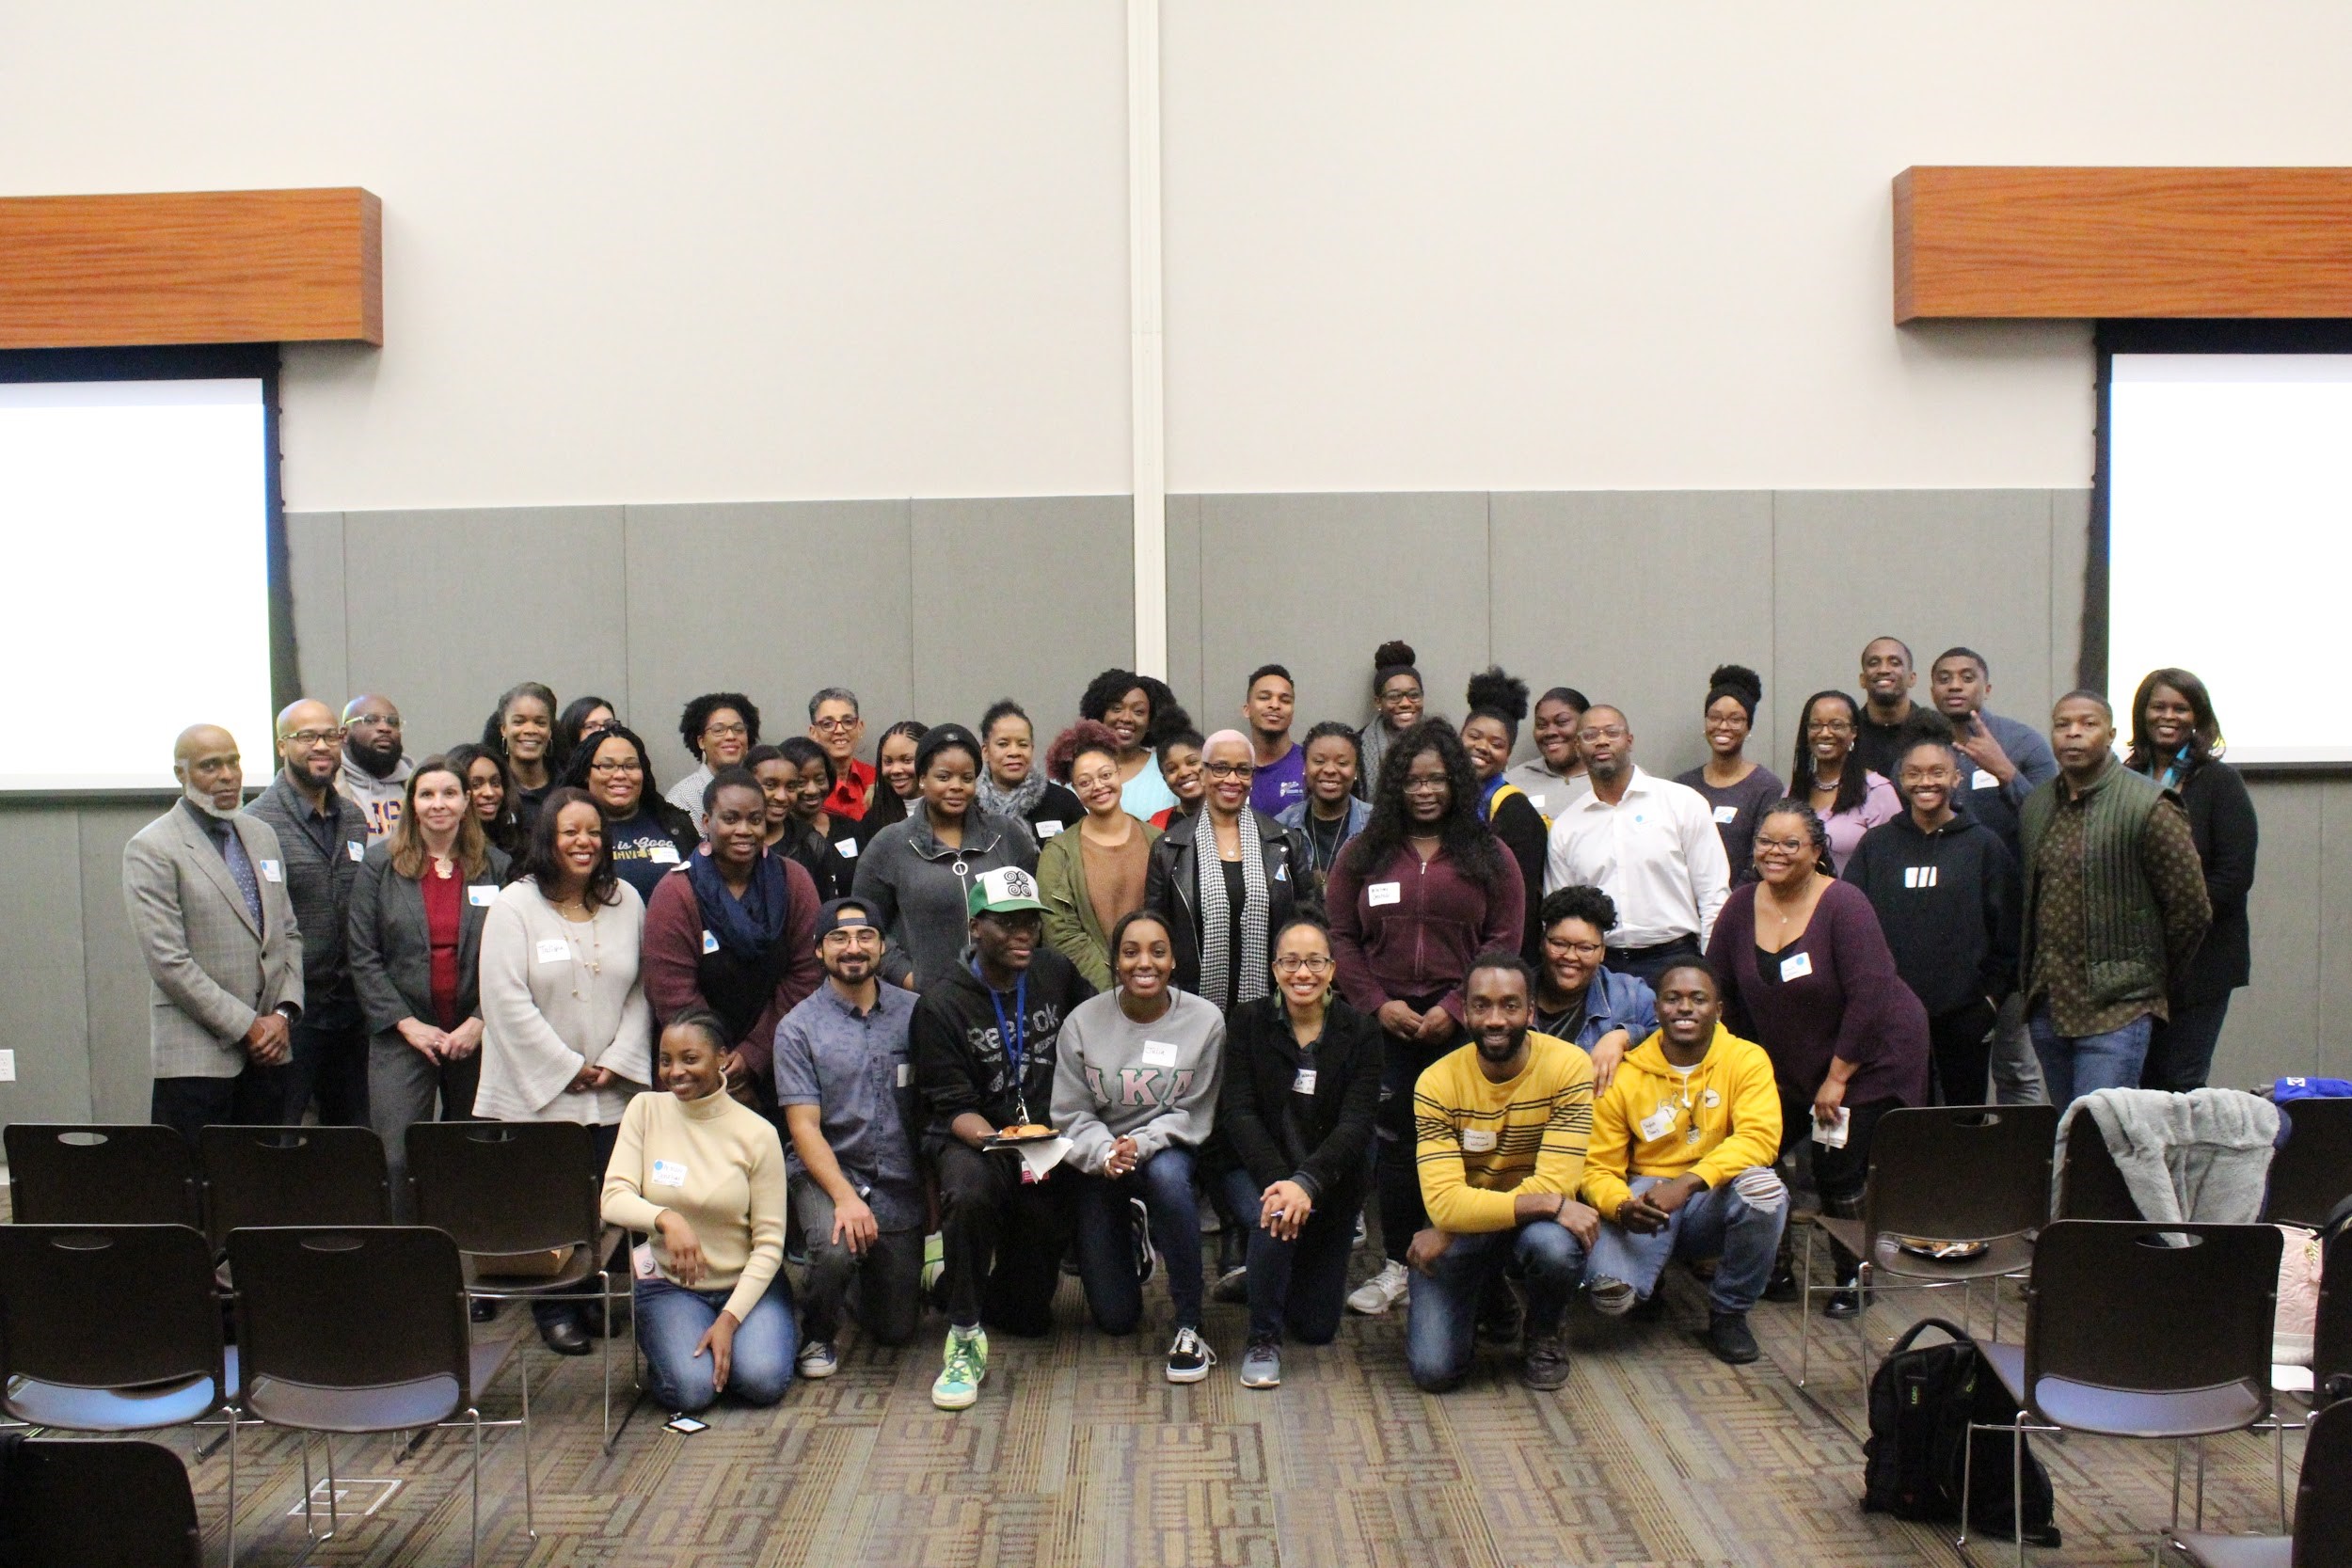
<point>2228,537</point>
<point>137,521</point>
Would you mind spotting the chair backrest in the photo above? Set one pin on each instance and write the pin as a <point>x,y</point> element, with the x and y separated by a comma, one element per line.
<point>506,1186</point>
<point>66,1173</point>
<point>2331,1333</point>
<point>1961,1173</point>
<point>2323,1497</point>
<point>107,1306</point>
<point>350,1306</point>
<point>2312,1173</point>
<point>292,1176</point>
<point>2091,1184</point>
<point>2153,1308</point>
<point>99,1500</point>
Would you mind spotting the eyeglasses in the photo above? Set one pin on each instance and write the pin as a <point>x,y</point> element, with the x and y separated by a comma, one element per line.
<point>1290,963</point>
<point>316,738</point>
<point>1831,726</point>
<point>833,726</point>
<point>1424,786</point>
<point>1231,770</point>
<point>1615,732</point>
<point>725,732</point>
<point>381,721</point>
<point>611,768</point>
<point>1787,846</point>
<point>1397,699</point>
<point>1576,949</point>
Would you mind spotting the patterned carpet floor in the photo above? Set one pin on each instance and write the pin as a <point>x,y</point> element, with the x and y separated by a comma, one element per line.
<point>1079,1453</point>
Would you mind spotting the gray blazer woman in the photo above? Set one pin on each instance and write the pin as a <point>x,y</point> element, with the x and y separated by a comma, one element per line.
<point>392,970</point>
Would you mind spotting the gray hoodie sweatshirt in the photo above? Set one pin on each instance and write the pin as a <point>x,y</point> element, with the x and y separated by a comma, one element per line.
<point>1155,1082</point>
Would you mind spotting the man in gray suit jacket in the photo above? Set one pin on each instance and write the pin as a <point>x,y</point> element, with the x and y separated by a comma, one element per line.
<point>206,890</point>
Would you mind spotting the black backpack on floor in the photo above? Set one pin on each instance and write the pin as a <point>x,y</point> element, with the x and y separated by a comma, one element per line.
<point>1921,1402</point>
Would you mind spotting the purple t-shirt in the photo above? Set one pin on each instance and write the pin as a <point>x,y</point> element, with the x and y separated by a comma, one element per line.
<point>1279,783</point>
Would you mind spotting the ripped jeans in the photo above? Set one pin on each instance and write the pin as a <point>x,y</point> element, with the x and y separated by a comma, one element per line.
<point>1739,1222</point>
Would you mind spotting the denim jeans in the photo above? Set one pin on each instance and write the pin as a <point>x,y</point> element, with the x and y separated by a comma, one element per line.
<point>1398,1173</point>
<point>887,1279</point>
<point>671,1321</point>
<point>1300,1284</point>
<point>2077,1064</point>
<point>1439,1333</point>
<point>1717,1222</point>
<point>1106,1255</point>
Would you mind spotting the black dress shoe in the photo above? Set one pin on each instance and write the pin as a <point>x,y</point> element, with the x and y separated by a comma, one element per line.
<point>566,1337</point>
<point>481,1309</point>
<point>1782,1286</point>
<point>1845,1303</point>
<point>1729,1336</point>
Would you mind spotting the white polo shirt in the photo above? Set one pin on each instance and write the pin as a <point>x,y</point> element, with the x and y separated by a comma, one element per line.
<point>1655,853</point>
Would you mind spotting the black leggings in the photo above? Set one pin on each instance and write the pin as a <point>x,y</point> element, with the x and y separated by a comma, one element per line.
<point>1402,1064</point>
<point>1839,1175</point>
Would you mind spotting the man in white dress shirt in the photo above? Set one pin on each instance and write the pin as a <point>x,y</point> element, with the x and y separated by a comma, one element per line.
<point>1649,843</point>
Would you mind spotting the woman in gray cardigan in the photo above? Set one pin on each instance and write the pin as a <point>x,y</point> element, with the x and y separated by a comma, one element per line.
<point>914,875</point>
<point>415,939</point>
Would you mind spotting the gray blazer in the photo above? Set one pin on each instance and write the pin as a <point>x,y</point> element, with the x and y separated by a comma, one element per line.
<point>391,951</point>
<point>212,970</point>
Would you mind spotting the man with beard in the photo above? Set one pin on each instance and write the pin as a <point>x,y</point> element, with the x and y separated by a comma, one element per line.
<point>324,838</point>
<point>843,1082</point>
<point>374,774</point>
<point>984,1038</point>
<point>205,886</point>
<point>1499,1130</point>
<point>1681,1165</point>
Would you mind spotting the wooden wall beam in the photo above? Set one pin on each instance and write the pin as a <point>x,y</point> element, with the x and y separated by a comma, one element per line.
<point>2213,243</point>
<point>191,267</point>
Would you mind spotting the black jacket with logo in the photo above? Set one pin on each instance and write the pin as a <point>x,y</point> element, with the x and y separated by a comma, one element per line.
<point>1949,903</point>
<point>960,1059</point>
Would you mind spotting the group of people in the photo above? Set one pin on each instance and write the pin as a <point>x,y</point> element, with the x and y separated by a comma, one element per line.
<point>994,1000</point>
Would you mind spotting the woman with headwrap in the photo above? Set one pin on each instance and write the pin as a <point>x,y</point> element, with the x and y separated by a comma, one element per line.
<point>1737,788</point>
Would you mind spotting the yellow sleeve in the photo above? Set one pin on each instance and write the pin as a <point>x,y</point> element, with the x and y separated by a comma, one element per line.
<point>1607,1160</point>
<point>1568,1131</point>
<point>1453,1204</point>
<point>1755,1138</point>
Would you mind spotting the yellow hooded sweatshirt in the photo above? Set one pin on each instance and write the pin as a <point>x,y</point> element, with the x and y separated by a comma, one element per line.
<point>1652,1122</point>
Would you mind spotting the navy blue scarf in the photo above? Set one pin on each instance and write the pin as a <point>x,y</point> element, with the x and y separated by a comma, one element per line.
<point>750,926</point>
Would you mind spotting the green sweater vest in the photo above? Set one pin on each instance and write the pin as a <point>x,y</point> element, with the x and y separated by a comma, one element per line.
<point>2123,944</point>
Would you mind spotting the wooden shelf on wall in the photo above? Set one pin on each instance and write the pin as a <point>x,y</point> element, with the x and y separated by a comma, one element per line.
<point>191,267</point>
<point>2087,243</point>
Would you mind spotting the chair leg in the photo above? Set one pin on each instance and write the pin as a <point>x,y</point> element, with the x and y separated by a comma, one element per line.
<point>334,1515</point>
<point>2017,1486</point>
<point>307,1489</point>
<point>1861,1337</point>
<point>473,1545</point>
<point>531,1521</point>
<point>2278,1467</point>
<point>1967,1469</point>
<point>232,1489</point>
<point>1805,1310</point>
<point>2176,1485</point>
<point>2201,1484</point>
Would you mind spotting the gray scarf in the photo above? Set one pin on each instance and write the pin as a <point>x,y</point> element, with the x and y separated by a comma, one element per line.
<point>1018,802</point>
<point>1217,959</point>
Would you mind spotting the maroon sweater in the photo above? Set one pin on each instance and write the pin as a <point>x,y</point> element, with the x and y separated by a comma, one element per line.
<point>673,959</point>
<point>1854,1005</point>
<point>1422,943</point>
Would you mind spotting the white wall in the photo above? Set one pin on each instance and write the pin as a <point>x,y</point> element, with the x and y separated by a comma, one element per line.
<point>775,249</point>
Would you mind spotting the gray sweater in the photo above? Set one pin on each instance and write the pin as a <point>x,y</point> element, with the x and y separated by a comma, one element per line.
<point>1155,1082</point>
<point>916,887</point>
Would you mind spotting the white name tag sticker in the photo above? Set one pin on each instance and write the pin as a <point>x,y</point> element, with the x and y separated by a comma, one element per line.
<point>1477,1140</point>
<point>1158,1053</point>
<point>1658,1123</point>
<point>1982,780</point>
<point>710,943</point>
<point>906,1073</point>
<point>272,872</point>
<point>1304,1083</point>
<point>662,854</point>
<point>482,896</point>
<point>1726,813</point>
<point>1384,893</point>
<point>358,851</point>
<point>668,1173</point>
<point>847,848</point>
<point>1796,966</point>
<point>554,950</point>
<point>1047,830</point>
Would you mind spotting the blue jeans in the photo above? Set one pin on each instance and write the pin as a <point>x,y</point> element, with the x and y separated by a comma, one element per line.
<point>1444,1312</point>
<point>1717,1222</point>
<point>671,1321</point>
<point>1299,1284</point>
<point>1106,1257</point>
<point>2073,1066</point>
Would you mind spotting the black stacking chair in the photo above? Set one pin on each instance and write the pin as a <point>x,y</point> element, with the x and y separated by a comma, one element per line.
<point>271,1176</point>
<point>115,1502</point>
<point>2323,1511</point>
<point>70,1173</point>
<point>2312,1173</point>
<point>2091,1186</point>
<point>110,1328</point>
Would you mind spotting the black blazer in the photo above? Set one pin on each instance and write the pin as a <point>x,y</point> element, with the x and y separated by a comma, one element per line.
<point>1169,885</point>
<point>391,951</point>
<point>2221,820</point>
<point>1262,1061</point>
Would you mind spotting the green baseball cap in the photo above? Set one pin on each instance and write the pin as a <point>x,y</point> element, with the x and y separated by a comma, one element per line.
<point>1002,891</point>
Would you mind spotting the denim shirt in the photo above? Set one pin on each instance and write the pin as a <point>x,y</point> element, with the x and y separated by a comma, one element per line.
<point>1615,1001</point>
<point>856,1071</point>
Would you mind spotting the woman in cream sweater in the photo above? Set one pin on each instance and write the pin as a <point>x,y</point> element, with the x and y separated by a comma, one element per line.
<point>703,1173</point>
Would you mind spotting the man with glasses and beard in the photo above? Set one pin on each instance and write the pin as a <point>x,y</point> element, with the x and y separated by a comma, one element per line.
<point>374,772</point>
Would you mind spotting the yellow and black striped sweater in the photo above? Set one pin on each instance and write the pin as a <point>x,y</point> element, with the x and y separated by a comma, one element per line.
<point>1478,1143</point>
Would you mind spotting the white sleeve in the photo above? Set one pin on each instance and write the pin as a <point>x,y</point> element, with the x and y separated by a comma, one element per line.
<point>1710,868</point>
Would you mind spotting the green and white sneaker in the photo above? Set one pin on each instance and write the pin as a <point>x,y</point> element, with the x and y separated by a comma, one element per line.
<point>959,1381</point>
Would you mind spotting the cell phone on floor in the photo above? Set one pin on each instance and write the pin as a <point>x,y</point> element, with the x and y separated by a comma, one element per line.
<point>686,1426</point>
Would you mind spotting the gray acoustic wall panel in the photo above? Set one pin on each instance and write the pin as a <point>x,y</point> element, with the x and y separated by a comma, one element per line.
<point>1023,598</point>
<point>1632,597</point>
<point>115,988</point>
<point>43,1018</point>
<point>2275,1024</point>
<point>443,610</point>
<point>2070,558</point>
<point>315,551</point>
<point>773,599</point>
<point>1317,582</point>
<point>1183,600</point>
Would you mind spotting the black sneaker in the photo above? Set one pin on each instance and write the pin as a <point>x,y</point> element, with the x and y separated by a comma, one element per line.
<point>1844,1302</point>
<point>1189,1358</point>
<point>1782,1286</point>
<point>1547,1365</point>
<point>1727,1336</point>
<point>1145,1267</point>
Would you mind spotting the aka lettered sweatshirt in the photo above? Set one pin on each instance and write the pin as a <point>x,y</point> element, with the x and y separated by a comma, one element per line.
<point>1155,1082</point>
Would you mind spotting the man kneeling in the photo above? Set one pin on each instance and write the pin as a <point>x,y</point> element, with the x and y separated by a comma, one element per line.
<point>1499,1128</point>
<point>1692,1119</point>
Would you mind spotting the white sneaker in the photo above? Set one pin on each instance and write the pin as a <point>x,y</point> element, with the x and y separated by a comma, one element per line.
<point>1380,1293</point>
<point>818,1359</point>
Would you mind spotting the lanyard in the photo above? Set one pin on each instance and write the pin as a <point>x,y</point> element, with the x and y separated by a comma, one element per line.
<point>1013,1037</point>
